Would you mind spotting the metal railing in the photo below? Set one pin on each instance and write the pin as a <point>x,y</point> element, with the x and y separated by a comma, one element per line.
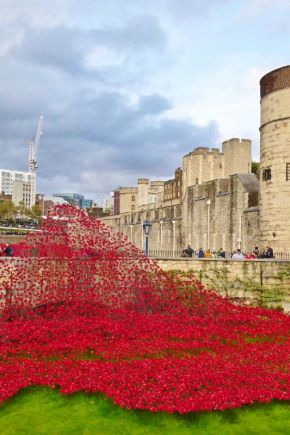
<point>177,254</point>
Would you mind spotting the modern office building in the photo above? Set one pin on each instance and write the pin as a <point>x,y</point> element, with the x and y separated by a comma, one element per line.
<point>23,193</point>
<point>75,199</point>
<point>21,185</point>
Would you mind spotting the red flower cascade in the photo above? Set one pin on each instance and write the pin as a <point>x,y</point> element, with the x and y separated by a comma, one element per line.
<point>82,308</point>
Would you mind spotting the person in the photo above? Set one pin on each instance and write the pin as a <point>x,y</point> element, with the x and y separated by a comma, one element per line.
<point>221,253</point>
<point>200,253</point>
<point>256,252</point>
<point>188,252</point>
<point>208,254</point>
<point>250,255</point>
<point>238,255</point>
<point>269,252</point>
<point>8,251</point>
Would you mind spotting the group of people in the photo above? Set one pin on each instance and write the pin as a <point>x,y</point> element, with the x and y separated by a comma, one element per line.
<point>236,255</point>
<point>265,253</point>
<point>201,253</point>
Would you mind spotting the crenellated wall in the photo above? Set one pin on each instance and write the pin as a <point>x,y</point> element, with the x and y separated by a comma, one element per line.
<point>237,156</point>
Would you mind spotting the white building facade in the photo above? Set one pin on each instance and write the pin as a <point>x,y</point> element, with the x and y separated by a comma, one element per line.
<point>21,185</point>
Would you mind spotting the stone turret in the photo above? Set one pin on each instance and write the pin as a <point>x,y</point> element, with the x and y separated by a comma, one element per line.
<point>201,165</point>
<point>143,188</point>
<point>237,156</point>
<point>275,159</point>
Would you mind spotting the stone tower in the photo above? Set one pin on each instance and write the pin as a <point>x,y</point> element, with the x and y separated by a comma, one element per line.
<point>237,156</point>
<point>143,188</point>
<point>275,159</point>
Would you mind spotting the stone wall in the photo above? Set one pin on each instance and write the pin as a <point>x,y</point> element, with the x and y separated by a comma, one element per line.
<point>216,214</point>
<point>261,282</point>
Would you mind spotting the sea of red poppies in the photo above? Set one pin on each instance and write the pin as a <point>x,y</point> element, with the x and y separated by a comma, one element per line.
<point>81,308</point>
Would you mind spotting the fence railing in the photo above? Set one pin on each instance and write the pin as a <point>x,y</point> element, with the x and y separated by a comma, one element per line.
<point>167,253</point>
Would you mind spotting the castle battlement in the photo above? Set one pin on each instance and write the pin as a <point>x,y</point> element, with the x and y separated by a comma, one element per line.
<point>143,181</point>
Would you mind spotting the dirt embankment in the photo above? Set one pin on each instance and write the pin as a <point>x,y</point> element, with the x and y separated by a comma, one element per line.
<point>11,239</point>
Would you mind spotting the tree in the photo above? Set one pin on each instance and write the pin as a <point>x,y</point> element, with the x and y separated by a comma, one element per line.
<point>7,210</point>
<point>22,211</point>
<point>255,166</point>
<point>35,212</point>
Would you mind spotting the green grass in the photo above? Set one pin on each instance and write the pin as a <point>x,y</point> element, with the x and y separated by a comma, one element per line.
<point>40,410</point>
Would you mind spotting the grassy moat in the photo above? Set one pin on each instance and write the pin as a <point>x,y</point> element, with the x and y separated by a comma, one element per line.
<point>40,410</point>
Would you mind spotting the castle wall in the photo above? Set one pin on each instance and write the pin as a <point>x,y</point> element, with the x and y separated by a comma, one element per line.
<point>275,155</point>
<point>220,209</point>
<point>256,282</point>
<point>212,215</point>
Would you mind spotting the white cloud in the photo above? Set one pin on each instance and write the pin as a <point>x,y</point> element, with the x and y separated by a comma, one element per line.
<point>102,58</point>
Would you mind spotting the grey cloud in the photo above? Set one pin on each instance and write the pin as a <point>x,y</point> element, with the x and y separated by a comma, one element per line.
<point>106,134</point>
<point>89,129</point>
<point>119,140</point>
<point>66,48</point>
<point>58,47</point>
<point>141,32</point>
<point>153,104</point>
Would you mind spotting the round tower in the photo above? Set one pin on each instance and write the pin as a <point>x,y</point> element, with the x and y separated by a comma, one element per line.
<point>275,159</point>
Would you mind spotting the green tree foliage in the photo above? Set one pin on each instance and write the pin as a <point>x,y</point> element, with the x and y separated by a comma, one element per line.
<point>22,212</point>
<point>255,168</point>
<point>35,212</point>
<point>7,210</point>
<point>13,214</point>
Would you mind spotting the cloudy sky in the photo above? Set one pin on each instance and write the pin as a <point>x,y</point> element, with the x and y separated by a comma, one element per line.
<point>127,87</point>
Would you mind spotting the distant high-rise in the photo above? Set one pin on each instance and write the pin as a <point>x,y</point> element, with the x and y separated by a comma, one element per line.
<point>21,185</point>
<point>75,199</point>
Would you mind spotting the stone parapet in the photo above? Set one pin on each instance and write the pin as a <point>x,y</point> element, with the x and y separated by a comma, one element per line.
<point>262,282</point>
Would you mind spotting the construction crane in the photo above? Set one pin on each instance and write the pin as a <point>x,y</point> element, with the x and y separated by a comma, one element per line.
<point>34,145</point>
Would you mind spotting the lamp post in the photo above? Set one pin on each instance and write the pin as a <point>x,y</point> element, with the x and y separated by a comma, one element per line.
<point>161,235</point>
<point>240,232</point>
<point>147,228</point>
<point>131,232</point>
<point>208,202</point>
<point>173,237</point>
